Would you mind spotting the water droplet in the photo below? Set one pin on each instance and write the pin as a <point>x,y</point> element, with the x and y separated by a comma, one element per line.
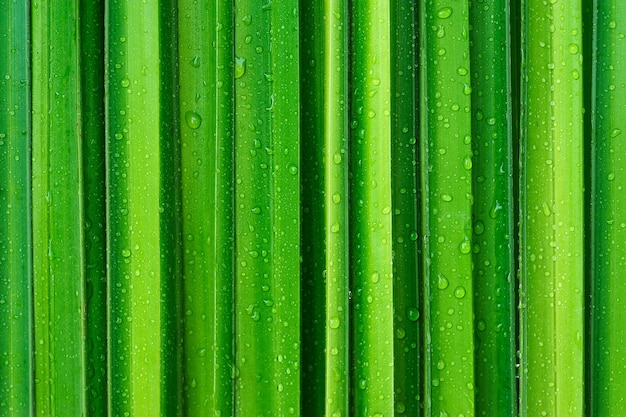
<point>615,133</point>
<point>479,227</point>
<point>240,67</point>
<point>481,325</point>
<point>573,48</point>
<point>495,210</point>
<point>375,277</point>
<point>444,12</point>
<point>336,198</point>
<point>546,209</point>
<point>446,197</point>
<point>413,314</point>
<point>247,19</point>
<point>467,162</point>
<point>125,253</point>
<point>125,82</point>
<point>442,282</point>
<point>334,322</point>
<point>293,170</point>
<point>256,210</point>
<point>465,246</point>
<point>461,71</point>
<point>193,119</point>
<point>459,292</point>
<point>337,158</point>
<point>610,176</point>
<point>195,61</point>
<point>441,364</point>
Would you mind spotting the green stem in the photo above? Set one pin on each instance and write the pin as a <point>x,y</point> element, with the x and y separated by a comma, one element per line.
<point>494,283</point>
<point>447,209</point>
<point>371,222</point>
<point>142,239</point>
<point>58,217</point>
<point>552,245</point>
<point>15,216</point>
<point>206,119</point>
<point>405,207</point>
<point>267,201</point>
<point>608,372</point>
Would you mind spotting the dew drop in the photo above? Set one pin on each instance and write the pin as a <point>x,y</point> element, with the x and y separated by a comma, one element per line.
<point>465,246</point>
<point>193,119</point>
<point>240,67</point>
<point>444,12</point>
<point>459,292</point>
<point>334,322</point>
<point>442,282</point>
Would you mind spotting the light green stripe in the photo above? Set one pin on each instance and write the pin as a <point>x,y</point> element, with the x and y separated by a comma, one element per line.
<point>206,112</point>
<point>552,212</point>
<point>267,209</point>
<point>447,209</point>
<point>371,233</point>
<point>142,239</point>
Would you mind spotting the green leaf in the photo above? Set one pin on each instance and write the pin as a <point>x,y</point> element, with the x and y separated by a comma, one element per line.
<point>551,211</point>
<point>608,375</point>
<point>405,205</point>
<point>142,209</point>
<point>493,236</point>
<point>205,56</point>
<point>371,199</point>
<point>325,239</point>
<point>16,346</point>
<point>446,148</point>
<point>267,206</point>
<point>93,203</point>
<point>58,218</point>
